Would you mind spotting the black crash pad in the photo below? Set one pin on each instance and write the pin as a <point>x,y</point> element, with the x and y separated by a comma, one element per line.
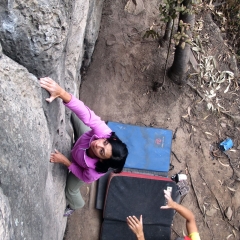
<point>137,194</point>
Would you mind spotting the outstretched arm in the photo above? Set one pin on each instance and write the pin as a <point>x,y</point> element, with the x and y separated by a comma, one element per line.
<point>136,226</point>
<point>183,211</point>
<point>55,90</point>
<point>83,112</point>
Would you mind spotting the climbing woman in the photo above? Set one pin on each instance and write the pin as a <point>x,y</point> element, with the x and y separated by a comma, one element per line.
<point>96,148</point>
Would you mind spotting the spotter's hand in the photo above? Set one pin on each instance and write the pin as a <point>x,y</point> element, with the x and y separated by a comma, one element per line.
<point>136,226</point>
<point>170,202</point>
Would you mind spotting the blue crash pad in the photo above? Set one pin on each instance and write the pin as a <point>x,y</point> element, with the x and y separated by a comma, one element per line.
<point>149,153</point>
<point>149,148</point>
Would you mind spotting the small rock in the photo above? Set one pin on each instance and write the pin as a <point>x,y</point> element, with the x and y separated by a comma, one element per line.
<point>110,42</point>
<point>223,125</point>
<point>228,213</point>
<point>236,119</point>
<point>211,212</point>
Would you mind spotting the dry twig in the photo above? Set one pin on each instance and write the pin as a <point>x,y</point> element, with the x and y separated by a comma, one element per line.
<point>176,157</point>
<point>189,122</point>
<point>230,163</point>
<point>195,89</point>
<point>175,132</point>
<point>176,232</point>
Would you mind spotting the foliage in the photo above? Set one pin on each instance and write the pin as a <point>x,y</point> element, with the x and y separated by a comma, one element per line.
<point>227,14</point>
<point>168,11</point>
<point>182,36</point>
<point>212,81</point>
<point>151,33</point>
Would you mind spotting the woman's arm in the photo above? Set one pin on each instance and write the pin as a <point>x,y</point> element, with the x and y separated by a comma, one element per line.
<point>77,106</point>
<point>89,117</point>
<point>87,175</point>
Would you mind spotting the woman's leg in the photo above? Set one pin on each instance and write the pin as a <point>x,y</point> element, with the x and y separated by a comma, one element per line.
<point>72,190</point>
<point>78,126</point>
<point>73,195</point>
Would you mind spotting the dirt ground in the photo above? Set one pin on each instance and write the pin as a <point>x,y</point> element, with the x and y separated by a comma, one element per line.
<point>118,86</point>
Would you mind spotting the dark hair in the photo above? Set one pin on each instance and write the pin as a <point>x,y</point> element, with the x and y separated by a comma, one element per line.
<point>118,158</point>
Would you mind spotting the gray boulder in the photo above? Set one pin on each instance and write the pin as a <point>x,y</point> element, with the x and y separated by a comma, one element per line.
<point>38,38</point>
<point>51,38</point>
<point>34,187</point>
<point>6,229</point>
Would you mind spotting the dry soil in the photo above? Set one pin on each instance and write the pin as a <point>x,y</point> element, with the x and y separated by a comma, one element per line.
<point>118,86</point>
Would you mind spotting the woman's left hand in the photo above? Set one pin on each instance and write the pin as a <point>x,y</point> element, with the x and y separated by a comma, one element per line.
<point>52,87</point>
<point>57,157</point>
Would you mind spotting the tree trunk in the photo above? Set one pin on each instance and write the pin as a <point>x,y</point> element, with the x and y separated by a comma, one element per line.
<point>179,67</point>
<point>168,30</point>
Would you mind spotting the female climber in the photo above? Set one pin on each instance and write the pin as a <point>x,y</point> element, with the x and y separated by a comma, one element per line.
<point>96,149</point>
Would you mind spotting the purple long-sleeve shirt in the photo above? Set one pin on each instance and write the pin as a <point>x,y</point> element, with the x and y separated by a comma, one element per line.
<point>83,166</point>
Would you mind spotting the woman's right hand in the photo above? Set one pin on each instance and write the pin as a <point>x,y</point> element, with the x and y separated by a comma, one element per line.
<point>58,157</point>
<point>54,89</point>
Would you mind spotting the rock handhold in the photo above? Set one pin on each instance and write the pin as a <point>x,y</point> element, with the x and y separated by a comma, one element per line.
<point>229,213</point>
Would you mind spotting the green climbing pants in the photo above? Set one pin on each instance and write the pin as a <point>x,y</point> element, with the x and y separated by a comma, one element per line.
<point>72,190</point>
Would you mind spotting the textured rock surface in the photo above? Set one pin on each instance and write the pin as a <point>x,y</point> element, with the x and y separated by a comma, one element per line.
<point>50,37</point>
<point>34,33</point>
<point>38,38</point>
<point>6,229</point>
<point>33,186</point>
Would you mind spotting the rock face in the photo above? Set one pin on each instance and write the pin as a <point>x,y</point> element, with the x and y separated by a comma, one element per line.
<point>38,38</point>
<point>50,37</point>
<point>6,229</point>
